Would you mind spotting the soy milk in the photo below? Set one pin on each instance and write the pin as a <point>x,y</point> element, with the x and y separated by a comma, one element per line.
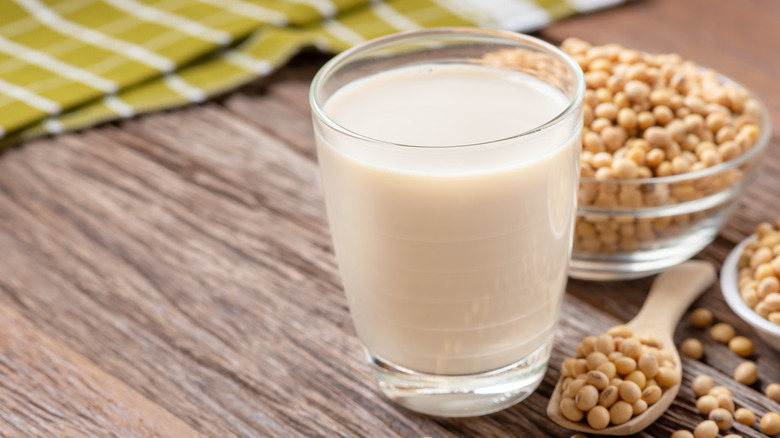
<point>453,251</point>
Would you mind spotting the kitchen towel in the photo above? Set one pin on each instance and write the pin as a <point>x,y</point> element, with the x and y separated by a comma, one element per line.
<point>70,64</point>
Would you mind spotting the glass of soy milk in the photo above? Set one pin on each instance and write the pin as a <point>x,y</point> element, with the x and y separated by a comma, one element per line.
<point>449,161</point>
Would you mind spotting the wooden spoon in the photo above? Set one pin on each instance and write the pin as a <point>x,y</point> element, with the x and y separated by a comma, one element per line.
<point>672,292</point>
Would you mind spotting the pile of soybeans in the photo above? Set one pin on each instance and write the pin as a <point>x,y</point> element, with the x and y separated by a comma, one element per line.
<point>648,117</point>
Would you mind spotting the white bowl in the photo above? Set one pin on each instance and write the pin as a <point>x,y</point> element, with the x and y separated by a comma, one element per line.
<point>768,331</point>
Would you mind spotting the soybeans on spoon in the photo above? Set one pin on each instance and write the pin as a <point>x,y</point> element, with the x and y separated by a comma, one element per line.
<point>672,293</point>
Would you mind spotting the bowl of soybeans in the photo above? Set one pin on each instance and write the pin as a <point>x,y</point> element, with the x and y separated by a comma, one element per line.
<point>750,281</point>
<point>668,148</point>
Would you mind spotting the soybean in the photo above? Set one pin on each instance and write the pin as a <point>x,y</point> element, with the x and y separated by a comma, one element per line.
<point>745,416</point>
<point>741,346</point>
<point>725,402</point>
<point>639,407</point>
<point>706,429</point>
<point>608,396</point>
<point>722,418</point>
<point>630,391</point>
<point>702,385</point>
<point>570,411</point>
<point>651,394</point>
<point>770,423</point>
<point>722,332</point>
<point>598,417</point>
<point>586,398</point>
<point>692,348</point>
<point>668,377</point>
<point>598,379</point>
<point>648,364</point>
<point>701,317</point>
<point>746,373</point>
<point>773,391</point>
<point>620,412</point>
<point>625,365</point>
<point>706,404</point>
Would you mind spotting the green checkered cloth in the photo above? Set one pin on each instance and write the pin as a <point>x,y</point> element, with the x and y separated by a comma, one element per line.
<point>70,64</point>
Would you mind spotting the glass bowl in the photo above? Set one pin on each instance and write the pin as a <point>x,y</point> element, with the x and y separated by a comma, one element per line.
<point>768,331</point>
<point>655,223</point>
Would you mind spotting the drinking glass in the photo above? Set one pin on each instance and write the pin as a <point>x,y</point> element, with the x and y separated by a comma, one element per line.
<point>452,235</point>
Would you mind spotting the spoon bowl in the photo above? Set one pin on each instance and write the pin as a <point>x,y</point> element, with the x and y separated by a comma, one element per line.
<point>672,293</point>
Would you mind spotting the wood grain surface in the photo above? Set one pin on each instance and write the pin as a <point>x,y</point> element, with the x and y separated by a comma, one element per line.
<point>174,276</point>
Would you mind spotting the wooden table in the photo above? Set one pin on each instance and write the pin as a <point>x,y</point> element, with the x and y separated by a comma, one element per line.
<point>174,276</point>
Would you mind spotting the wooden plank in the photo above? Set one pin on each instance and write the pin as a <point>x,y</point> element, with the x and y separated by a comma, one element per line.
<point>48,390</point>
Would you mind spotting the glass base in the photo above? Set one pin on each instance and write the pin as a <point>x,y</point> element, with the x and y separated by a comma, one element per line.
<point>462,395</point>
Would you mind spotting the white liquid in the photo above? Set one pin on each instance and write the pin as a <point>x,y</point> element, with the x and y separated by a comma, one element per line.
<point>453,260</point>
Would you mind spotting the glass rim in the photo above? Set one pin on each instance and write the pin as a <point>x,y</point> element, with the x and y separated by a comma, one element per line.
<point>324,73</point>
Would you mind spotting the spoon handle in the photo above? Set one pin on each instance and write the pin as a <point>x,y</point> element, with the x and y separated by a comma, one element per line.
<point>671,294</point>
